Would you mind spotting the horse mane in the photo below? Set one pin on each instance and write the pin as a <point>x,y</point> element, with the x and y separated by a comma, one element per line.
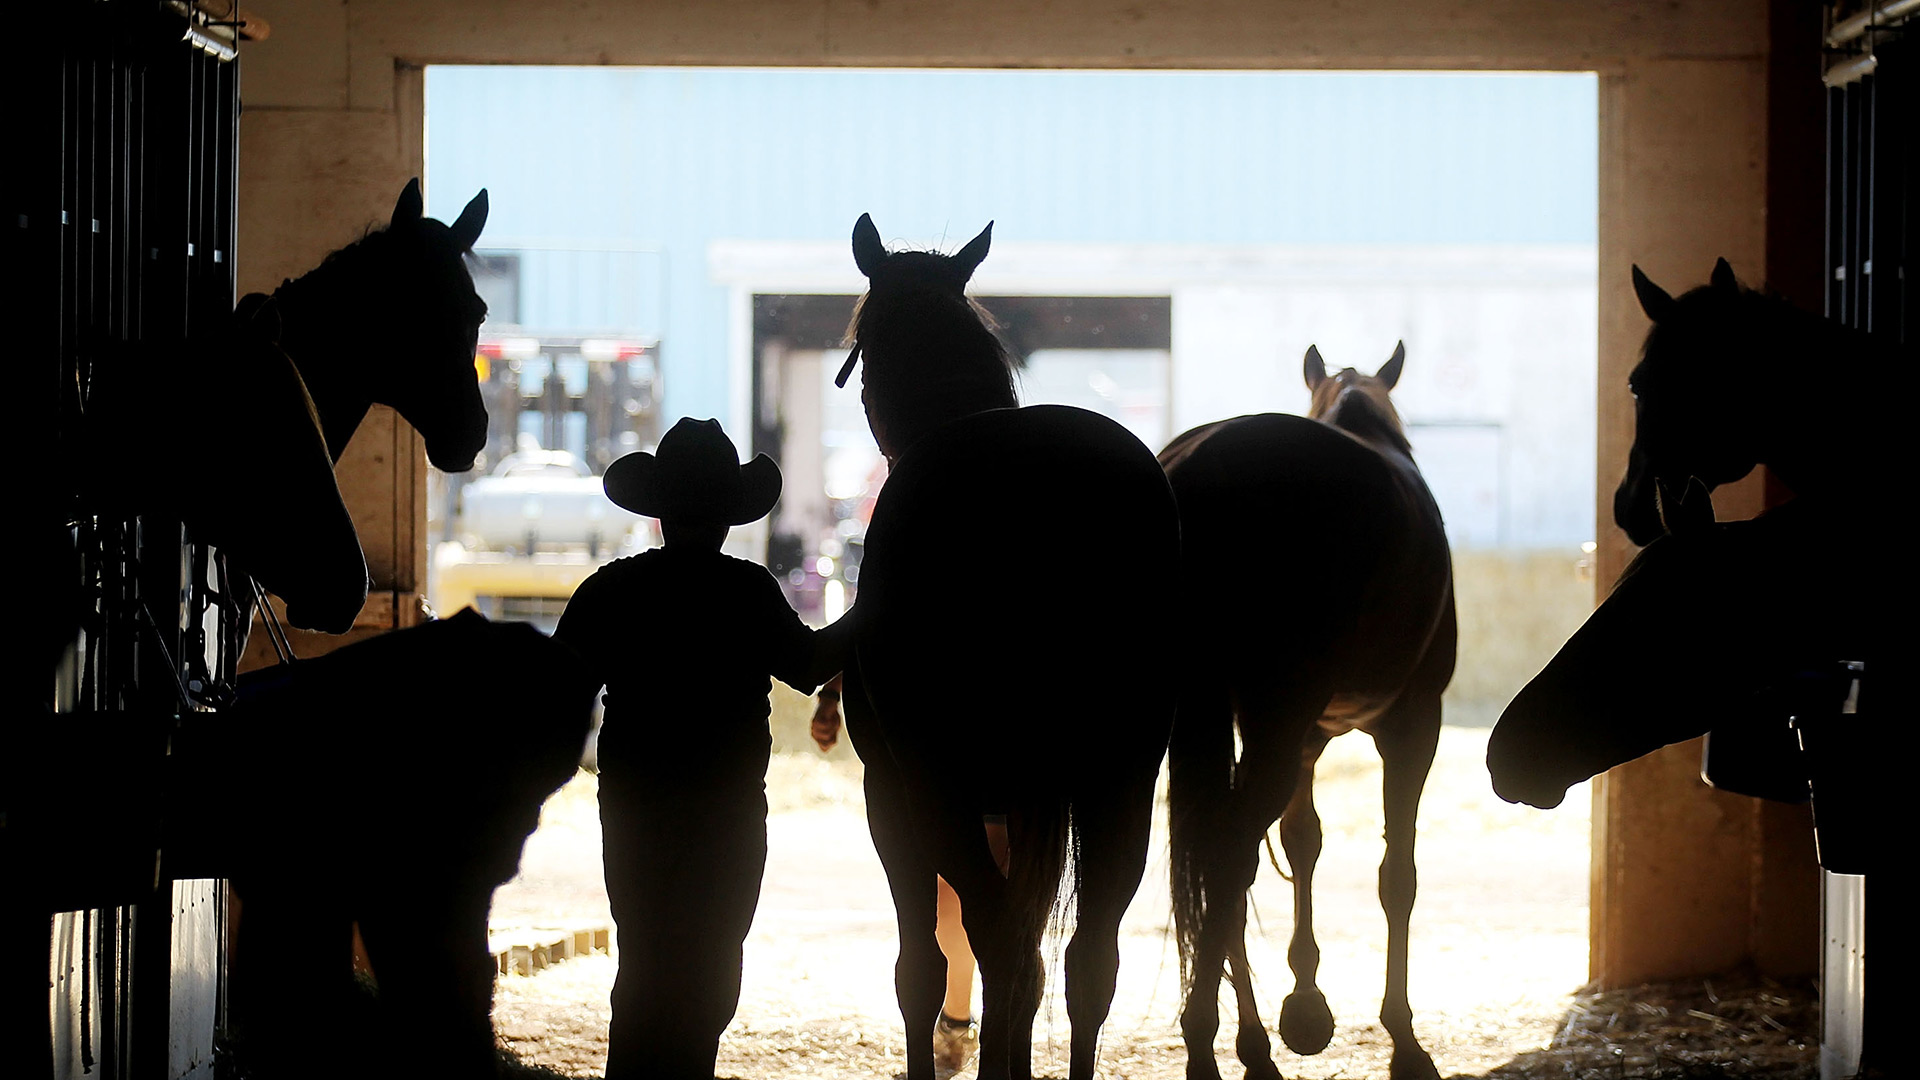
<point>327,278</point>
<point>1368,417</point>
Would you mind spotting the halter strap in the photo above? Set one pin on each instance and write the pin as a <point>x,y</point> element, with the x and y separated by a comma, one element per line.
<point>846,369</point>
<point>271,622</point>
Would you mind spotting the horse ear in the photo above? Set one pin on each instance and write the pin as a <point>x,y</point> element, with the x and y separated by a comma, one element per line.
<point>969,258</point>
<point>1315,369</point>
<point>1723,277</point>
<point>410,206</point>
<point>1687,513</point>
<point>1390,374</point>
<point>868,251</point>
<point>1654,300</point>
<point>466,228</point>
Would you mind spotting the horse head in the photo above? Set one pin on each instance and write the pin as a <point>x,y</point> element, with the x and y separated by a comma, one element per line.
<point>1643,671</point>
<point>1713,625</point>
<point>1694,413</point>
<point>930,351</point>
<point>415,318</point>
<point>907,270</point>
<point>1356,403</point>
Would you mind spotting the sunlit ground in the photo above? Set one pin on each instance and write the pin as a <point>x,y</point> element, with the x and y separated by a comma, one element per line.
<point>1499,935</point>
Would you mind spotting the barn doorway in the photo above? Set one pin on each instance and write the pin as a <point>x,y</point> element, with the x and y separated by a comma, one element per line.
<point>691,223</point>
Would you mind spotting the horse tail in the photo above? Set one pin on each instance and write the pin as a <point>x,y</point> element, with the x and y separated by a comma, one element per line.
<point>1199,786</point>
<point>1037,863</point>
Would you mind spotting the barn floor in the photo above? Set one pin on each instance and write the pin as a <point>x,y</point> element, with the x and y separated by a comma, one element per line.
<point>1498,950</point>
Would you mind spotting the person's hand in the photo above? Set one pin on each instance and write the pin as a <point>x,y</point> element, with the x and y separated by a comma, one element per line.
<point>826,722</point>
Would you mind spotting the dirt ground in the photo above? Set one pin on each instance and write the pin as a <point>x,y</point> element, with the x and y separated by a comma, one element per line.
<point>1499,949</point>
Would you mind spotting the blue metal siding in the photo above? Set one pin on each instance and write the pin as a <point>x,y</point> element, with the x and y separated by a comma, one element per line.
<point>668,159</point>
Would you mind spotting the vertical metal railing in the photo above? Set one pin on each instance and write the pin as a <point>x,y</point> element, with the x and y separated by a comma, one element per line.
<point>121,211</point>
<point>1873,184</point>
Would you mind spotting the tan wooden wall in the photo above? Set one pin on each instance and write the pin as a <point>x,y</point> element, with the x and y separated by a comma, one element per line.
<point>1685,881</point>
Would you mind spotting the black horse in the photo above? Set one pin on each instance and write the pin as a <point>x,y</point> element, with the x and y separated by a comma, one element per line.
<point>221,430</point>
<point>392,783</point>
<point>1713,622</point>
<point>1730,378</point>
<point>1318,598</point>
<point>217,431</point>
<point>393,319</point>
<point>1033,689</point>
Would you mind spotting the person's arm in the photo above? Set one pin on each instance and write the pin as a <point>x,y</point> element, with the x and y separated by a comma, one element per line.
<point>802,657</point>
<point>832,646</point>
<point>582,629</point>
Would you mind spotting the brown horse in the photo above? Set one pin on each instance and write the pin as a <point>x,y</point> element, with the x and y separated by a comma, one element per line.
<point>1289,651</point>
<point>1045,700</point>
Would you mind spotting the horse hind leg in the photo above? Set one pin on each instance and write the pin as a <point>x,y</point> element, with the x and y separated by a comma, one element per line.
<point>919,973</point>
<point>1407,738</point>
<point>1250,1043</point>
<point>1265,778</point>
<point>1113,833</point>
<point>1008,959</point>
<point>1306,1023</point>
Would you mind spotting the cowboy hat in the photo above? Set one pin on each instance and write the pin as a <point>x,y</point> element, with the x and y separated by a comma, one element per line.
<point>695,475</point>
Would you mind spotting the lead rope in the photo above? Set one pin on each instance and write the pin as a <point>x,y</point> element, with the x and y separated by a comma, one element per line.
<point>275,632</point>
<point>166,654</point>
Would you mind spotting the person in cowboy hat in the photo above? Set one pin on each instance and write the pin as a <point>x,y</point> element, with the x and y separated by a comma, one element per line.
<point>684,639</point>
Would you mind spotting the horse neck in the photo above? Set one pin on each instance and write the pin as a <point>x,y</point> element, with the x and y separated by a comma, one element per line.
<point>322,346</point>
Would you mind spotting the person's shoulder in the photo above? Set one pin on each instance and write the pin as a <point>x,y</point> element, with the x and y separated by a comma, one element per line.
<point>621,574</point>
<point>746,570</point>
<point>629,565</point>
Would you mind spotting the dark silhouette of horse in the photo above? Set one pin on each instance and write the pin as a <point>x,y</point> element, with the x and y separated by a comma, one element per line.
<point>217,431</point>
<point>1724,384</point>
<point>1318,598</point>
<point>1742,628</point>
<point>393,319</point>
<point>1045,699</point>
<point>391,782</point>
<point>1712,623</point>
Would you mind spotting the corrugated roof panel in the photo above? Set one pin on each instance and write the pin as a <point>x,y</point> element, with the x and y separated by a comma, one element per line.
<point>669,159</point>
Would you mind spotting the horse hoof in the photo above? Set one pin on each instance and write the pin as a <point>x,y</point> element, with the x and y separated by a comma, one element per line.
<point>1306,1024</point>
<point>1202,1067</point>
<point>1412,1063</point>
<point>1262,1069</point>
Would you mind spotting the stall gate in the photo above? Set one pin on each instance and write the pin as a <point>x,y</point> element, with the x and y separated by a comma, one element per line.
<point>1873,258</point>
<point>121,194</point>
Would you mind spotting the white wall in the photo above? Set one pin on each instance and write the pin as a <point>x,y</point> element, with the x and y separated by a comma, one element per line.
<point>1499,386</point>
